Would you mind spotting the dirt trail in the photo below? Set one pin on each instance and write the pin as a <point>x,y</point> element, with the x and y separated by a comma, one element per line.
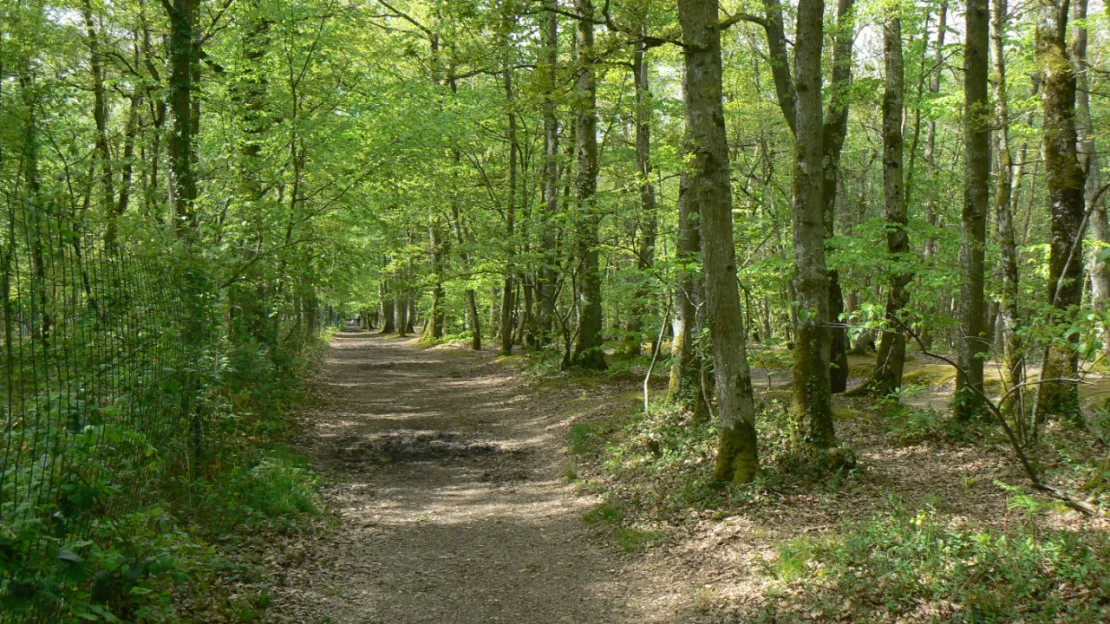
<point>450,483</point>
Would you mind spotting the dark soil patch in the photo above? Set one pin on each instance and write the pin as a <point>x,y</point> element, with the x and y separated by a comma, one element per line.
<point>411,446</point>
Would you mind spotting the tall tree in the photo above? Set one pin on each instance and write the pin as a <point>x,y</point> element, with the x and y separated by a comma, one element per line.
<point>1013,369</point>
<point>588,351</point>
<point>647,220</point>
<point>973,343</point>
<point>799,99</point>
<point>1091,163</point>
<point>183,71</point>
<point>686,375</point>
<point>1065,181</point>
<point>709,188</point>
<point>834,134</point>
<point>891,356</point>
<point>508,291</point>
<point>546,284</point>
<point>811,414</point>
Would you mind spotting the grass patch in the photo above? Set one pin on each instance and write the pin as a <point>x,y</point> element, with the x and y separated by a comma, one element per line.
<point>914,566</point>
<point>608,519</point>
<point>910,426</point>
<point>928,375</point>
<point>275,490</point>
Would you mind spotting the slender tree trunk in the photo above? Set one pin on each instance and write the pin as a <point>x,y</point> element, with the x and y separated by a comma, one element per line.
<point>545,287</point>
<point>183,73</point>
<point>648,220</point>
<point>710,188</point>
<point>1090,162</point>
<point>891,356</point>
<point>182,55</point>
<point>437,250</point>
<point>931,137</point>
<point>1066,203</point>
<point>401,315</point>
<point>388,326</point>
<point>928,250</point>
<point>100,117</point>
<point>588,351</point>
<point>685,380</point>
<point>1013,369</point>
<point>127,173</point>
<point>835,130</point>
<point>507,303</point>
<point>811,415</point>
<point>474,320</point>
<point>42,319</point>
<point>974,343</point>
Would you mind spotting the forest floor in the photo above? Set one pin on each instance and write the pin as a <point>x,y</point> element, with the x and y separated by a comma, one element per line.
<point>469,491</point>
<point>448,474</point>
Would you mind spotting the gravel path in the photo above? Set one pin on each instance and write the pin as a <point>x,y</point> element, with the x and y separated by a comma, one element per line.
<point>450,484</point>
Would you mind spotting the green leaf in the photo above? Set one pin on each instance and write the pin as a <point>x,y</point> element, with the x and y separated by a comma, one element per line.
<point>69,556</point>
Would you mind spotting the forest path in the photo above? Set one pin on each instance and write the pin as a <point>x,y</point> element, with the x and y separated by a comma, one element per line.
<point>450,481</point>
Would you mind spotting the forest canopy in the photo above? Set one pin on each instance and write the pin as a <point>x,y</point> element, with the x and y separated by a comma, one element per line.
<point>856,198</point>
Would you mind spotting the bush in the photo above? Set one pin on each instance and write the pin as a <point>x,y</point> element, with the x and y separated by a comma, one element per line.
<point>276,491</point>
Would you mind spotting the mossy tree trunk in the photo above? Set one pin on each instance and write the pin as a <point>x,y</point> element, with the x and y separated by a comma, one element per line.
<point>811,420</point>
<point>1065,181</point>
<point>709,188</point>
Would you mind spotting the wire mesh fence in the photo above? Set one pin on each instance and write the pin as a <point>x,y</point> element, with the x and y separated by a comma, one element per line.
<point>91,403</point>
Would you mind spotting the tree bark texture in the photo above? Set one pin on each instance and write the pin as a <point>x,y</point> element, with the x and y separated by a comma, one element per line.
<point>1065,181</point>
<point>835,131</point>
<point>811,414</point>
<point>709,187</point>
<point>588,351</point>
<point>974,342</point>
<point>891,356</point>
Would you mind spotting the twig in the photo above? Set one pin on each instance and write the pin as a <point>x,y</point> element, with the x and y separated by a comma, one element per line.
<point>655,356</point>
<point>1030,472</point>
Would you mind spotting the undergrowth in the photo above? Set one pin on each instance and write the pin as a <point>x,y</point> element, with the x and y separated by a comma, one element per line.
<point>96,552</point>
<point>914,566</point>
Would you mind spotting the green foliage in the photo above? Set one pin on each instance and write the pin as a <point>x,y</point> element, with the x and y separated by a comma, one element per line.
<point>275,491</point>
<point>120,570</point>
<point>916,564</point>
<point>608,520</point>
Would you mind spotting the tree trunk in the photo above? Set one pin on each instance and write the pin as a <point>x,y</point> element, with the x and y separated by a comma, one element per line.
<point>811,415</point>
<point>931,137</point>
<point>648,220</point>
<point>1013,369</point>
<point>545,287</point>
<point>182,14</point>
<point>1066,204</point>
<point>387,309</point>
<point>100,118</point>
<point>891,356</point>
<point>588,351</point>
<point>835,130</point>
<point>507,303</point>
<point>974,343</point>
<point>685,381</point>
<point>183,72</point>
<point>437,245</point>
<point>1089,160</point>
<point>710,189</point>
<point>401,317</point>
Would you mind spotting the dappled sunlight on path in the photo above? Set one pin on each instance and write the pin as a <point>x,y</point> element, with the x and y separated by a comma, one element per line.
<point>454,507</point>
